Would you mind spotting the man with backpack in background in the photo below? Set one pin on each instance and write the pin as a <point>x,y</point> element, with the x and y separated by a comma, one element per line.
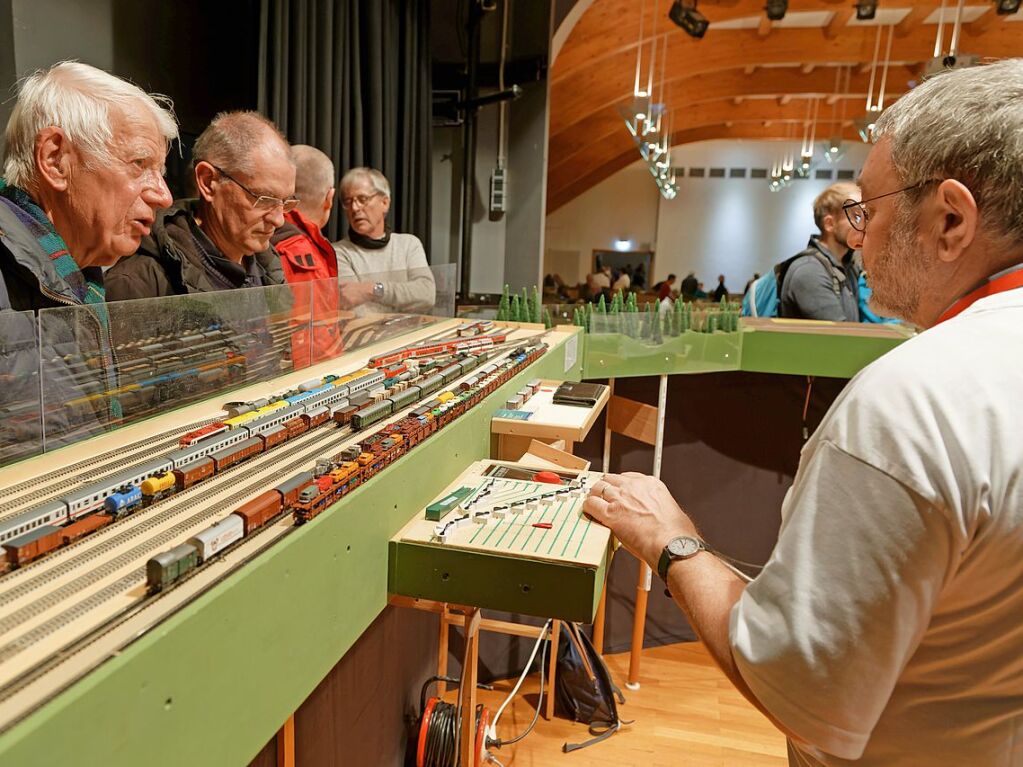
<point>820,282</point>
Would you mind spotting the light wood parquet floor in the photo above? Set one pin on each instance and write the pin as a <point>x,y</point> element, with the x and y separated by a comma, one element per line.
<point>686,714</point>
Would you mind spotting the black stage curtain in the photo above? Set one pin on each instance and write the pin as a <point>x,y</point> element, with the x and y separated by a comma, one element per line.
<point>352,78</point>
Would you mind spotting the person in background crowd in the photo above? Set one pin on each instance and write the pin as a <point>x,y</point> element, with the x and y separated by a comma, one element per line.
<point>884,629</point>
<point>756,276</point>
<point>246,182</point>
<point>599,282</point>
<point>821,283</point>
<point>83,179</point>
<point>664,288</point>
<point>689,286</point>
<point>720,291</point>
<point>79,192</point>
<point>621,282</point>
<point>307,257</point>
<point>389,272</point>
<point>639,277</point>
<point>699,293</point>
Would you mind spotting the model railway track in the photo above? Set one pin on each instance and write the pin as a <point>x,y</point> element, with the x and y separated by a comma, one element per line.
<point>41,487</point>
<point>138,575</point>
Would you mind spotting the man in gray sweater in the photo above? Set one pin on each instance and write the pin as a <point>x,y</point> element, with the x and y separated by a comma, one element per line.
<point>379,270</point>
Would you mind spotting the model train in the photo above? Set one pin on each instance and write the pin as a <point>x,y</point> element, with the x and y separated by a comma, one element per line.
<point>435,348</point>
<point>308,494</point>
<point>28,535</point>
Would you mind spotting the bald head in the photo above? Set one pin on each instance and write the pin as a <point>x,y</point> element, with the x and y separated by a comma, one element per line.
<point>314,182</point>
<point>233,139</point>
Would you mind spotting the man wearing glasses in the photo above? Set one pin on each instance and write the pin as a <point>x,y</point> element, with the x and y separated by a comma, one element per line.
<point>821,282</point>
<point>885,627</point>
<point>245,178</point>
<point>380,271</point>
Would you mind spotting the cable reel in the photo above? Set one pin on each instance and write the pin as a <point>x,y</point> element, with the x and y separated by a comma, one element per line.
<point>438,730</point>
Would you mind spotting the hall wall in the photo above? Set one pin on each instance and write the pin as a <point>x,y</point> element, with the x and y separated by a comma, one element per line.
<point>715,226</point>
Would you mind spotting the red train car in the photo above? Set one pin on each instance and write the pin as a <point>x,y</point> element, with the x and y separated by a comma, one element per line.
<point>187,440</point>
<point>25,548</point>
<point>273,437</point>
<point>296,426</point>
<point>228,457</point>
<point>193,472</point>
<point>84,526</point>
<point>256,512</point>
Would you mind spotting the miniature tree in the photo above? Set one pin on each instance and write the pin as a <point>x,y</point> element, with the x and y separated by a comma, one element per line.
<point>547,321</point>
<point>601,305</point>
<point>658,334</point>
<point>516,310</point>
<point>504,305</point>
<point>537,305</point>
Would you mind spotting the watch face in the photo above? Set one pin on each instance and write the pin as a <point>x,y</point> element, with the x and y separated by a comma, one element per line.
<point>683,547</point>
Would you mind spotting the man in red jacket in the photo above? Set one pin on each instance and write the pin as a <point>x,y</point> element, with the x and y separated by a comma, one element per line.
<point>307,257</point>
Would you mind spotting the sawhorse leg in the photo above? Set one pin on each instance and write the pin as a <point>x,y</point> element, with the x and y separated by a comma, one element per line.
<point>467,697</point>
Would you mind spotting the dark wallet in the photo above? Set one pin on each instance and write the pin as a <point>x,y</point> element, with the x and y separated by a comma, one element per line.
<point>578,394</point>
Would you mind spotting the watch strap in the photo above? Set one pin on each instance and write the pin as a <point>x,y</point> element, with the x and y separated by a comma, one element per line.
<point>667,557</point>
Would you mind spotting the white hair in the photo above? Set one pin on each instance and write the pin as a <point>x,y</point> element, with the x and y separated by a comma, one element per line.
<point>80,100</point>
<point>965,124</point>
<point>376,179</point>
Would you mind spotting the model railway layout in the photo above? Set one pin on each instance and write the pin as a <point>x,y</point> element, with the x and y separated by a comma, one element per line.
<point>91,552</point>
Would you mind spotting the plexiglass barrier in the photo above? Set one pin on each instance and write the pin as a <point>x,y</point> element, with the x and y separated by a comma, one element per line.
<point>671,338</point>
<point>21,426</point>
<point>107,365</point>
<point>428,291</point>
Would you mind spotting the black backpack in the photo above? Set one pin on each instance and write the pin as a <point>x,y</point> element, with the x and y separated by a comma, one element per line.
<point>584,690</point>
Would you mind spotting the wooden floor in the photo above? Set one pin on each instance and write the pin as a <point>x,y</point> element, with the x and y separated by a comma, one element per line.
<point>686,713</point>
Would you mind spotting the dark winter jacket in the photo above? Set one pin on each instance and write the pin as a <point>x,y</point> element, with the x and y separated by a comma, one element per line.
<point>817,286</point>
<point>171,261</point>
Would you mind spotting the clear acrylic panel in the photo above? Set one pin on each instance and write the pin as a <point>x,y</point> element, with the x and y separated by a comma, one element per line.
<point>21,426</point>
<point>108,365</point>
<point>428,290</point>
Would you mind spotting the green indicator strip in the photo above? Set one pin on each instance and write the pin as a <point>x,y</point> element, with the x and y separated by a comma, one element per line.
<point>554,518</point>
<point>531,530</point>
<point>586,530</point>
<point>518,527</point>
<point>493,528</point>
<point>575,527</point>
<point>560,529</point>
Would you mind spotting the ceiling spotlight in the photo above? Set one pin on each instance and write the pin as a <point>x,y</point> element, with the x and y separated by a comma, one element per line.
<point>776,9</point>
<point>1007,7</point>
<point>866,9</point>
<point>834,150</point>
<point>691,20</point>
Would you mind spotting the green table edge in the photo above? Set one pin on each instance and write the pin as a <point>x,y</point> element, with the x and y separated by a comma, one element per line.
<point>214,682</point>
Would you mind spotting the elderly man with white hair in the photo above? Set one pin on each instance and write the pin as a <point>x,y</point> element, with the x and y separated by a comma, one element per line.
<point>387,271</point>
<point>245,177</point>
<point>83,172</point>
<point>885,627</point>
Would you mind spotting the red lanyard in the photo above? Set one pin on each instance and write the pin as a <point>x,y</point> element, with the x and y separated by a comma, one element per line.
<point>1010,281</point>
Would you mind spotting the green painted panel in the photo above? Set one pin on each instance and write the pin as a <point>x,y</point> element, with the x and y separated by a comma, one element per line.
<point>812,354</point>
<point>211,685</point>
<point>532,587</point>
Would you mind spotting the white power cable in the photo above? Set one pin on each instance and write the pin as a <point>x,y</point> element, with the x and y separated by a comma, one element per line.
<point>525,672</point>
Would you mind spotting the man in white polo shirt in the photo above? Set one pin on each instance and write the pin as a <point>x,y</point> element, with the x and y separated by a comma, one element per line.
<point>887,626</point>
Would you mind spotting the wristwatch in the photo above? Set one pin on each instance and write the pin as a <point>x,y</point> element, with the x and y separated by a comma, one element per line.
<point>378,290</point>
<point>682,547</point>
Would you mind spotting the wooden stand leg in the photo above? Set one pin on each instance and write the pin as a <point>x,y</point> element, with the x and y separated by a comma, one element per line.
<point>598,622</point>
<point>467,700</point>
<point>442,651</point>
<point>286,743</point>
<point>638,626</point>
<point>552,666</point>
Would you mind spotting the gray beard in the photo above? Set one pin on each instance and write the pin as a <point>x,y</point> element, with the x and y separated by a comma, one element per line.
<point>900,272</point>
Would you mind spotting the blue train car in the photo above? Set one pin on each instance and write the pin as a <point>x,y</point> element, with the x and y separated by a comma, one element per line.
<point>123,501</point>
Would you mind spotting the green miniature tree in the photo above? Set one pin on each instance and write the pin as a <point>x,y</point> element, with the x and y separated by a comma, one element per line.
<point>658,334</point>
<point>601,305</point>
<point>516,309</point>
<point>504,305</point>
<point>537,305</point>
<point>548,322</point>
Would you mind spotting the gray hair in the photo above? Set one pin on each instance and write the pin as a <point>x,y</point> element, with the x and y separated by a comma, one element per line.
<point>376,179</point>
<point>966,124</point>
<point>80,100</point>
<point>231,137</point>
<point>314,174</point>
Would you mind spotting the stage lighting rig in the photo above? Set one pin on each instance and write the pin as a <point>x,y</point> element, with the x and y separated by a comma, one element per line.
<point>776,9</point>
<point>866,9</point>
<point>691,20</point>
<point>1007,7</point>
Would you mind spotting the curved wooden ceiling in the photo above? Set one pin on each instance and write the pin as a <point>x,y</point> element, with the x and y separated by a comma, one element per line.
<point>737,82</point>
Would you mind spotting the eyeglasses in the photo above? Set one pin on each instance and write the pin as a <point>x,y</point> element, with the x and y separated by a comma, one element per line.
<point>858,215</point>
<point>261,201</point>
<point>360,199</point>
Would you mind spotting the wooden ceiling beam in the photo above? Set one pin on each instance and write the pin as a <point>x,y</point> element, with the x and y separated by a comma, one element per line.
<point>764,27</point>
<point>838,22</point>
<point>982,23</point>
<point>807,68</point>
<point>914,20</point>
